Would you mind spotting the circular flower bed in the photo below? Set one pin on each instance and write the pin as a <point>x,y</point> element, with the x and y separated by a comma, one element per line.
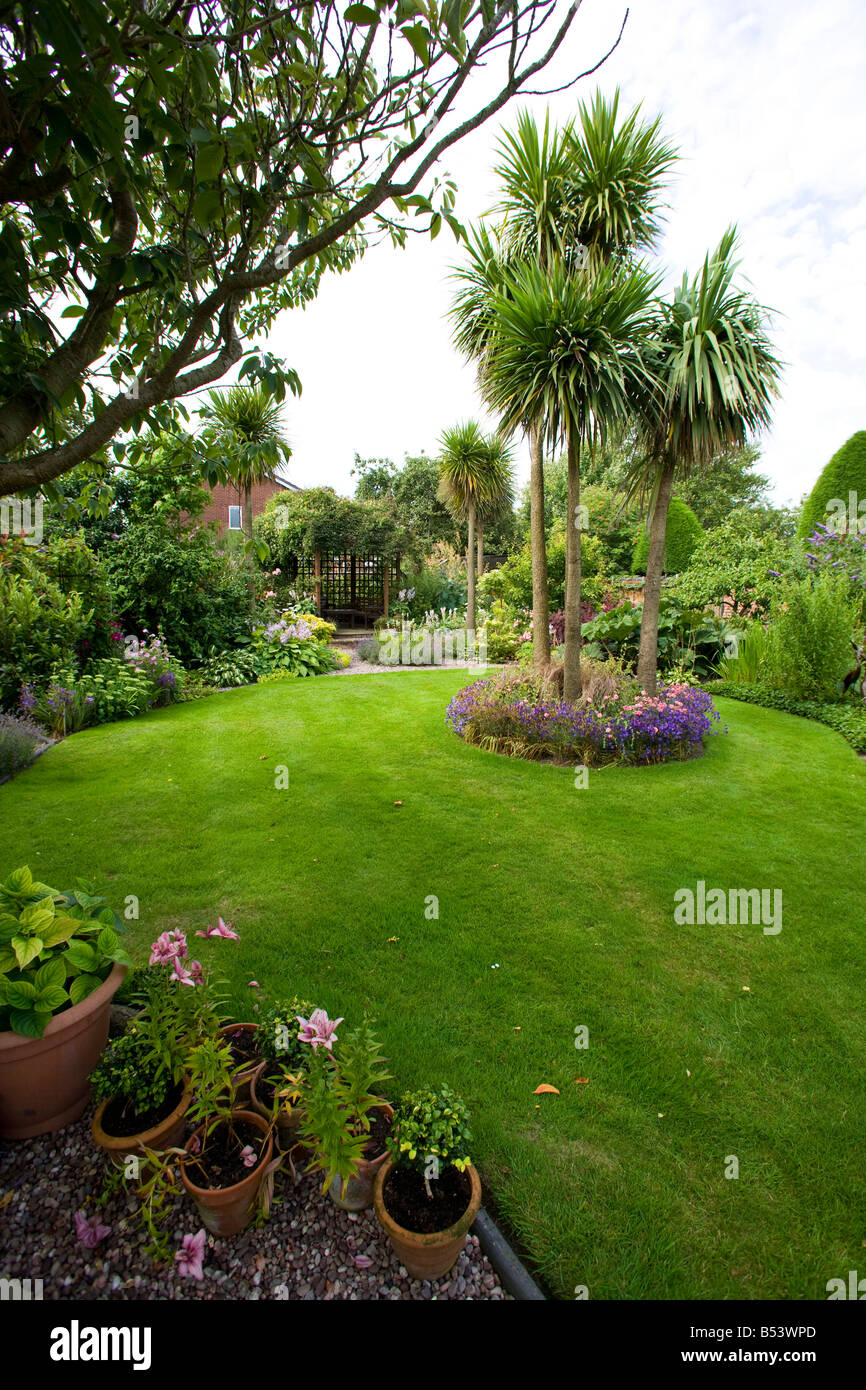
<point>514,713</point>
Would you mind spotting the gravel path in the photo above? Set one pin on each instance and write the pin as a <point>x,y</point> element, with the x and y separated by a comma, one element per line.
<point>308,1249</point>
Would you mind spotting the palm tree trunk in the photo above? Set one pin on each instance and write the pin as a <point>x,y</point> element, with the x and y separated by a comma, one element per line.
<point>571,687</point>
<point>538,548</point>
<point>480,566</point>
<point>470,573</point>
<point>649,629</point>
<point>248,534</point>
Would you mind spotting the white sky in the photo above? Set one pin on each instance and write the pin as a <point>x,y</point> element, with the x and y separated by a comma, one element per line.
<point>765,101</point>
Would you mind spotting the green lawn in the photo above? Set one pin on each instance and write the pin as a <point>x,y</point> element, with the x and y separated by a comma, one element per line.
<point>619,1184</point>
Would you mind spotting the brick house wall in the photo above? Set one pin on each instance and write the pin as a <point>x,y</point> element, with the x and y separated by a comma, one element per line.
<point>224,496</point>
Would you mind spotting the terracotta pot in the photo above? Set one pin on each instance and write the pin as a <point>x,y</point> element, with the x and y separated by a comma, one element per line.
<point>288,1121</point>
<point>244,1073</point>
<point>166,1135</point>
<point>226,1211</point>
<point>357,1193</point>
<point>426,1256</point>
<point>44,1081</point>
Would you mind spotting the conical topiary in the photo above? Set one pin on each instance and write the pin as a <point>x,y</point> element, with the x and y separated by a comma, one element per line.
<point>844,474</point>
<point>683,533</point>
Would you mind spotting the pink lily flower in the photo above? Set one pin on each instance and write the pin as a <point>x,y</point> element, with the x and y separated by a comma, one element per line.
<point>190,1256</point>
<point>248,1156</point>
<point>318,1029</point>
<point>193,976</point>
<point>222,929</point>
<point>90,1230</point>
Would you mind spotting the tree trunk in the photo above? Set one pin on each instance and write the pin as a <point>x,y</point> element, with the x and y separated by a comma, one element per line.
<point>248,535</point>
<point>571,687</point>
<point>538,546</point>
<point>480,565</point>
<point>470,573</point>
<point>248,511</point>
<point>649,629</point>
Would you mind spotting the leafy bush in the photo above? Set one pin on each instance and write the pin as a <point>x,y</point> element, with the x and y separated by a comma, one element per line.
<point>131,1069</point>
<point>114,690</point>
<point>687,637</point>
<point>430,1124</point>
<point>808,648</point>
<point>616,723</point>
<point>288,645</point>
<point>512,582</point>
<point>845,473</point>
<point>41,628</point>
<point>278,1038</point>
<point>684,531</point>
<point>229,669</point>
<point>503,637</point>
<point>19,739</point>
<point>849,720</point>
<point>174,578</point>
<point>739,562</point>
<point>55,950</point>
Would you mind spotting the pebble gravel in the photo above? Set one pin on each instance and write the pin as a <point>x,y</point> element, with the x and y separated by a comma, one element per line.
<point>309,1249</point>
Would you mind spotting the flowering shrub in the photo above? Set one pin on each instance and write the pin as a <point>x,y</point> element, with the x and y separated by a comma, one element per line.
<point>152,659</point>
<point>514,715</point>
<point>290,644</point>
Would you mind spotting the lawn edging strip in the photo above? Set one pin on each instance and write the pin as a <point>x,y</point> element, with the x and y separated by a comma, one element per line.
<point>513,1273</point>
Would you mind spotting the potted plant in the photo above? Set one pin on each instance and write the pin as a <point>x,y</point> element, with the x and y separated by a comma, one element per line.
<point>427,1193</point>
<point>229,1155</point>
<point>346,1122</point>
<point>276,1086</point>
<point>140,1080</point>
<point>60,965</point>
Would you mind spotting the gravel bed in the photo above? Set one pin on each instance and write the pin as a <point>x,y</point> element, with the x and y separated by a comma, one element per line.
<point>307,1250</point>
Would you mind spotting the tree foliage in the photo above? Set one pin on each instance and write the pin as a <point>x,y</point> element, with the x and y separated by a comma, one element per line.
<point>174,174</point>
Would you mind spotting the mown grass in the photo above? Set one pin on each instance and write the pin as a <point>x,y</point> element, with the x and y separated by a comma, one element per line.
<point>705,1042</point>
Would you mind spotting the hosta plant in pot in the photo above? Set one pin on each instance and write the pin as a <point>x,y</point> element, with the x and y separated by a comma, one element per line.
<point>228,1159</point>
<point>427,1193</point>
<point>346,1119</point>
<point>60,964</point>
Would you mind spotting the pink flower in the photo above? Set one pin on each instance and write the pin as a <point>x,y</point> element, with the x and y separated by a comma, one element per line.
<point>193,976</point>
<point>190,1256</point>
<point>254,984</point>
<point>168,948</point>
<point>222,929</point>
<point>318,1029</point>
<point>248,1156</point>
<point>90,1230</point>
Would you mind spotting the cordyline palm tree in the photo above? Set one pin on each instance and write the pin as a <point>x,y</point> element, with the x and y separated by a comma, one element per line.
<point>244,427</point>
<point>619,172</point>
<point>580,197</point>
<point>534,172</point>
<point>567,348</point>
<point>473,473</point>
<point>715,377</point>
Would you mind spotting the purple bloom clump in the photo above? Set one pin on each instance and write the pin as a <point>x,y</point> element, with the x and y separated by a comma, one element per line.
<point>643,729</point>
